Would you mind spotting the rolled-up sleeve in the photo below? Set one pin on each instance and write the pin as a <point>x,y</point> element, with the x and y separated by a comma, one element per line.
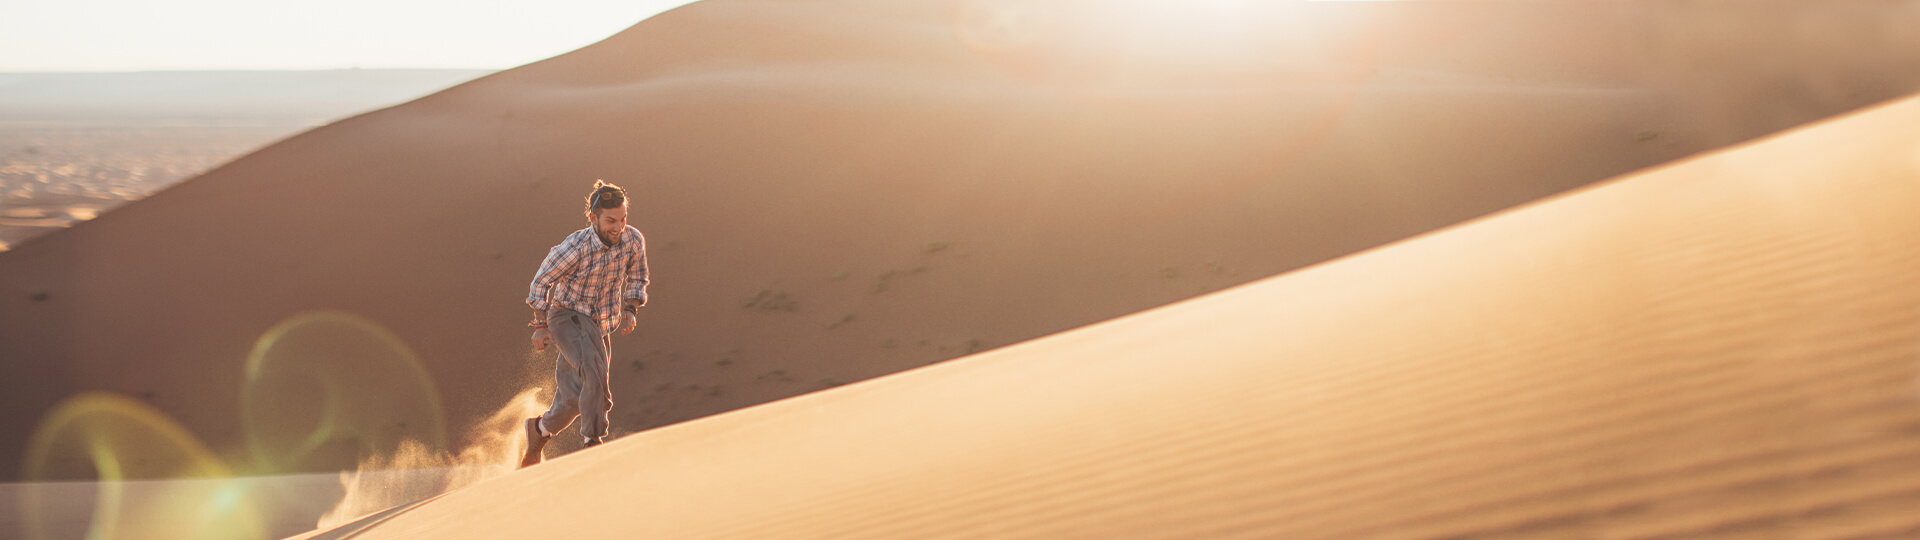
<point>636,286</point>
<point>560,260</point>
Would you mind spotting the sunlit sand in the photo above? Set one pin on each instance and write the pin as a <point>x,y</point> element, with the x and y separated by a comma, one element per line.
<point>1708,349</point>
<point>1035,269</point>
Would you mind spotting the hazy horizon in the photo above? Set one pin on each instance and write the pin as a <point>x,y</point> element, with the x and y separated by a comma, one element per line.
<point>242,70</point>
<point>75,145</point>
<point>116,36</point>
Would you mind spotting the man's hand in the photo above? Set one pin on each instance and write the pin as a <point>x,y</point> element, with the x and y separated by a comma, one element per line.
<point>627,322</point>
<point>541,337</point>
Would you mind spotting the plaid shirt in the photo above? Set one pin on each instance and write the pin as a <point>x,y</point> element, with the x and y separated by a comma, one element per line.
<point>584,275</point>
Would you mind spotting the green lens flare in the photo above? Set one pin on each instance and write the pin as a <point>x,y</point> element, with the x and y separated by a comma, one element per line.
<point>122,442</point>
<point>325,388</point>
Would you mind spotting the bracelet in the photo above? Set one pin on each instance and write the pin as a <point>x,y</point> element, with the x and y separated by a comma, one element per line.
<point>537,324</point>
<point>631,309</point>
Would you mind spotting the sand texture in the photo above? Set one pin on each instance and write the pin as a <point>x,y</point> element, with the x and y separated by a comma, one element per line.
<point>838,190</point>
<point>1724,348</point>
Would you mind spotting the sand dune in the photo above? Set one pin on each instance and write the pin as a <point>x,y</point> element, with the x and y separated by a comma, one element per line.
<point>1723,348</point>
<point>838,190</point>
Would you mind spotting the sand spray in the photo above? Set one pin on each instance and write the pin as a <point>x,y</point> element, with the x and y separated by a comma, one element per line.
<point>416,471</point>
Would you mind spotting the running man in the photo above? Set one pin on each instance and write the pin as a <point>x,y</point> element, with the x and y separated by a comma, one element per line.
<point>593,282</point>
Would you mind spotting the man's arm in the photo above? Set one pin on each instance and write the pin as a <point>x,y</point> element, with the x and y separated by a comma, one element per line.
<point>560,262</point>
<point>636,286</point>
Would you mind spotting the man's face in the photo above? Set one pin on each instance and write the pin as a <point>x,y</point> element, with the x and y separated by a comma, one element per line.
<point>610,223</point>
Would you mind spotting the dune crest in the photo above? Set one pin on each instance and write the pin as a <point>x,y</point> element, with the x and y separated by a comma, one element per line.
<point>1720,348</point>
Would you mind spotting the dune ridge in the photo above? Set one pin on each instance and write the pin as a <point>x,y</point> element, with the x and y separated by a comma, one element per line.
<point>1720,348</point>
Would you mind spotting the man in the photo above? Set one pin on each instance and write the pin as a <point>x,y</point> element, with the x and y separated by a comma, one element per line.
<point>592,282</point>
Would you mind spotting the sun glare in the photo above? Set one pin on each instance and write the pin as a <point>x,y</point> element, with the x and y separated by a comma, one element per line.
<point>1223,6</point>
<point>1151,47</point>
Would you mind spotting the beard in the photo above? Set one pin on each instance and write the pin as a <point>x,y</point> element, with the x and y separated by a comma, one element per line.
<point>609,238</point>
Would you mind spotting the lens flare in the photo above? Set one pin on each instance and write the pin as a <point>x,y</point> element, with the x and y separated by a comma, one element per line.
<point>325,389</point>
<point>120,441</point>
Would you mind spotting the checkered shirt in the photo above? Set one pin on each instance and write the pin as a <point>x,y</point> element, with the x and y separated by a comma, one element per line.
<point>584,275</point>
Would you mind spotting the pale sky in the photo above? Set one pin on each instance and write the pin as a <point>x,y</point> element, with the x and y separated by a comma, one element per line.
<point>150,35</point>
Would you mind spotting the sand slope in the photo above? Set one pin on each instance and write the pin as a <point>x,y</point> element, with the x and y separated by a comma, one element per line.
<point>1723,348</point>
<point>836,190</point>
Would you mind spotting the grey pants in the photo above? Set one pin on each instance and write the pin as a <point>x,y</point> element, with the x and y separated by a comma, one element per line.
<point>581,374</point>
